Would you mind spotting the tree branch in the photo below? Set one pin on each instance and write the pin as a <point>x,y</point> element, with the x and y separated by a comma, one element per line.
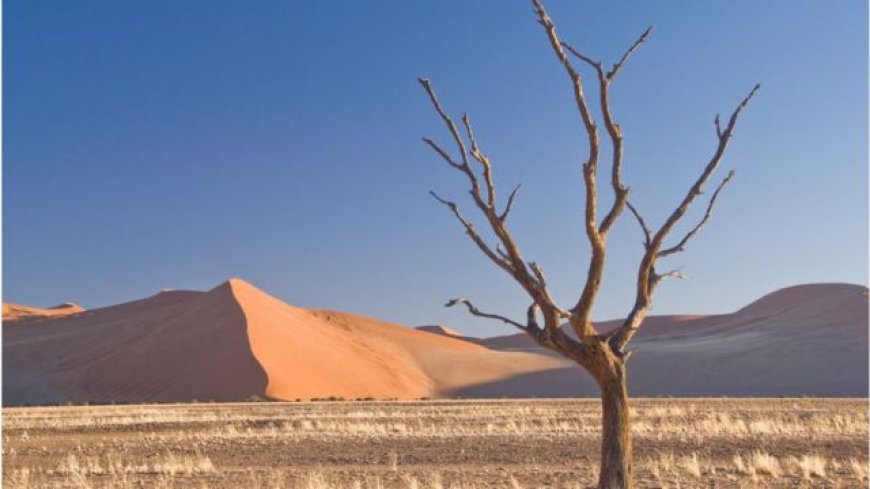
<point>647,235</point>
<point>580,322</point>
<point>446,156</point>
<point>483,160</point>
<point>472,233</point>
<point>620,191</point>
<point>464,167</point>
<point>510,203</point>
<point>586,59</point>
<point>613,129</point>
<point>698,186</point>
<point>618,66</point>
<point>477,312</point>
<point>588,121</point>
<point>427,85</point>
<point>502,253</point>
<point>647,279</point>
<point>553,339</point>
<point>510,259</point>
<point>680,246</point>
<point>589,167</point>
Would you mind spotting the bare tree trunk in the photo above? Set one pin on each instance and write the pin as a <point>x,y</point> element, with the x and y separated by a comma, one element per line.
<point>616,432</point>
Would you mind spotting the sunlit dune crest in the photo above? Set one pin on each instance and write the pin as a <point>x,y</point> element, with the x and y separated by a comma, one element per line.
<point>14,312</point>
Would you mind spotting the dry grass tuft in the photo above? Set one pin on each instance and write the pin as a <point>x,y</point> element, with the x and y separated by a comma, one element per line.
<point>18,478</point>
<point>812,466</point>
<point>691,465</point>
<point>859,469</point>
<point>741,466</point>
<point>763,463</point>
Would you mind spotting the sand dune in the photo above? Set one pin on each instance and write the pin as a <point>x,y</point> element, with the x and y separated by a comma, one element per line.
<point>15,312</point>
<point>177,345</point>
<point>234,342</point>
<point>803,340</point>
<point>442,330</point>
<point>316,353</point>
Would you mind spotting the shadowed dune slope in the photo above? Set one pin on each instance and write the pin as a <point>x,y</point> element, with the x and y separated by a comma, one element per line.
<point>803,340</point>
<point>233,342</point>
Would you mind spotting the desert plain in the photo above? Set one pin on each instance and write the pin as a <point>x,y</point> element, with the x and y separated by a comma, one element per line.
<point>530,443</point>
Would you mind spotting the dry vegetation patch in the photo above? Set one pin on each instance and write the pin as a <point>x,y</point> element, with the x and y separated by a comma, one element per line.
<point>434,444</point>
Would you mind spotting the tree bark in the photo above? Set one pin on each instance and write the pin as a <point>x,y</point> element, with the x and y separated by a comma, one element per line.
<point>616,458</point>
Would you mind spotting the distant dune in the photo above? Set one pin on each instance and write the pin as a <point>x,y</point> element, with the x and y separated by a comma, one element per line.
<point>14,312</point>
<point>804,340</point>
<point>235,341</point>
<point>442,330</point>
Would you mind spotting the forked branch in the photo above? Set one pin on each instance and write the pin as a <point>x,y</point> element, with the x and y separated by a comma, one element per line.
<point>503,216</point>
<point>508,258</point>
<point>618,66</point>
<point>473,234</point>
<point>596,233</point>
<point>482,159</point>
<point>647,279</point>
<point>681,245</point>
<point>647,235</point>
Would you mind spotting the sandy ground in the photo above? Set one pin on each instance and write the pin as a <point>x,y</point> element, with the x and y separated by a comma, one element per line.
<point>688,443</point>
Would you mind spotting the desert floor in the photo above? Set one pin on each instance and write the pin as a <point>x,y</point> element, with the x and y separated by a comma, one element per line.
<point>439,444</point>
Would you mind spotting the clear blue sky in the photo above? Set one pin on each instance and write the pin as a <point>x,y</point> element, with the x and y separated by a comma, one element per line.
<point>175,144</point>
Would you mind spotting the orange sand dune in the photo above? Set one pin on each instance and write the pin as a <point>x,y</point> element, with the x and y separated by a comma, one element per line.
<point>16,312</point>
<point>177,345</point>
<point>233,342</point>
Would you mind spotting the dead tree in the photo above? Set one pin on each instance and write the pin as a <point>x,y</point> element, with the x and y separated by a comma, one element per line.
<point>603,355</point>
